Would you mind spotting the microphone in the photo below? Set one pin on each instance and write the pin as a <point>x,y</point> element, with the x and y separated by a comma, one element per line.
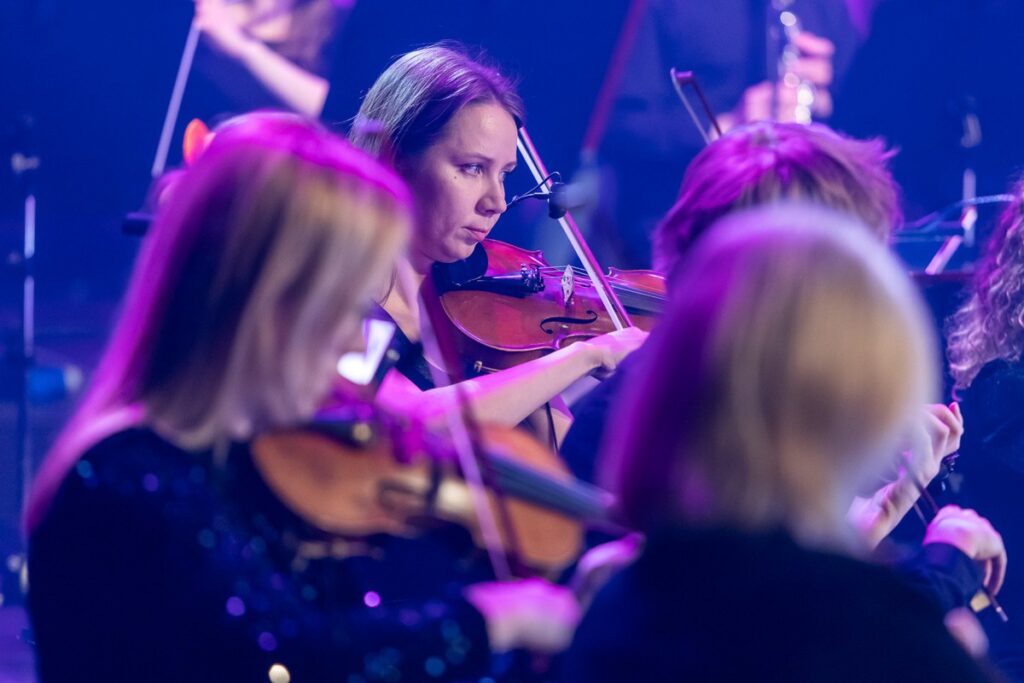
<point>563,197</point>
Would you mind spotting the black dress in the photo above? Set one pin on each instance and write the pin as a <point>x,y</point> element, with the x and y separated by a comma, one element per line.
<point>992,463</point>
<point>594,417</point>
<point>728,606</point>
<point>155,564</point>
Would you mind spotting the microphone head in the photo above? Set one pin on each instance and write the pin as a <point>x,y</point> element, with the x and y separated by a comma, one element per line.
<point>558,200</point>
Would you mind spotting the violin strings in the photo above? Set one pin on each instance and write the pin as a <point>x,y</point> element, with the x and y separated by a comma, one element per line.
<point>570,498</point>
<point>554,270</point>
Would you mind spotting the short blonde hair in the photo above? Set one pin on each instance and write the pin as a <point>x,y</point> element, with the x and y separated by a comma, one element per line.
<point>278,235</point>
<point>793,354</point>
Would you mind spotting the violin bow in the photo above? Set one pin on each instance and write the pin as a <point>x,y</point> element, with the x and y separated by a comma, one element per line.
<point>466,434</point>
<point>174,106</point>
<point>612,304</point>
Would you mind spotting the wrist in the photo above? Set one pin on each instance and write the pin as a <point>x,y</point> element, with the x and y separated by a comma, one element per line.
<point>959,539</point>
<point>592,354</point>
<point>248,50</point>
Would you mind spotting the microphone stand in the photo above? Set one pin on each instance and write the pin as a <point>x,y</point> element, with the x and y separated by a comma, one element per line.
<point>616,310</point>
<point>24,163</point>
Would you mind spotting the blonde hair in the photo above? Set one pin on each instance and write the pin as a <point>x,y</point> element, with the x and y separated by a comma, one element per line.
<point>270,247</point>
<point>794,354</point>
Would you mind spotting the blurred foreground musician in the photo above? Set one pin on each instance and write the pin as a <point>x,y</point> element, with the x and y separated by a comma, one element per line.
<point>158,549</point>
<point>803,354</point>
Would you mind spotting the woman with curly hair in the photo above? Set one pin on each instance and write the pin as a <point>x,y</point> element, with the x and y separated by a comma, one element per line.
<point>986,340</point>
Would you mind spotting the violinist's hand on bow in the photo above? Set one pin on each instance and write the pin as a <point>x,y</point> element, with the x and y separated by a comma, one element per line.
<point>222,28</point>
<point>975,537</point>
<point>531,614</point>
<point>944,427</point>
<point>814,66</point>
<point>608,350</point>
<point>601,563</point>
<point>936,435</point>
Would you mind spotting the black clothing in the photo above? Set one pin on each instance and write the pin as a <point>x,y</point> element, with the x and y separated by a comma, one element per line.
<point>405,356</point>
<point>728,606</point>
<point>221,87</point>
<point>948,575</point>
<point>992,464</point>
<point>928,66</point>
<point>942,572</point>
<point>594,415</point>
<point>155,564</point>
<point>651,138</point>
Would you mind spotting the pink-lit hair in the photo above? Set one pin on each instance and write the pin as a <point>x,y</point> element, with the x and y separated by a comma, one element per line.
<point>269,245</point>
<point>989,325</point>
<point>408,107</point>
<point>766,162</point>
<point>791,357</point>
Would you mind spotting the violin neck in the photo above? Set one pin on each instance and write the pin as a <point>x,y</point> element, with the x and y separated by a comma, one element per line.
<point>575,499</point>
<point>640,301</point>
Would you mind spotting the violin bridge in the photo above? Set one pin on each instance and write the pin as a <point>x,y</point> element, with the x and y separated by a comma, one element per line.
<point>568,285</point>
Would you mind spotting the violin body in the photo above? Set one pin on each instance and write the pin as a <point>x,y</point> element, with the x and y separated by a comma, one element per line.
<point>522,308</point>
<point>361,474</point>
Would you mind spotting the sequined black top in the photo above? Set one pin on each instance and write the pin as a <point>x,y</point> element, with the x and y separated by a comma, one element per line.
<point>155,564</point>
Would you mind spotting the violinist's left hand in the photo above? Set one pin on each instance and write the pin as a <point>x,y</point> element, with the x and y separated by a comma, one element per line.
<point>531,614</point>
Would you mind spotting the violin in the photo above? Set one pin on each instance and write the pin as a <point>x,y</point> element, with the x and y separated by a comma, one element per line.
<point>356,472</point>
<point>507,305</point>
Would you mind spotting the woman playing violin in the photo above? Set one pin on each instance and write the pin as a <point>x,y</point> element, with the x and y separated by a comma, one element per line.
<point>158,550</point>
<point>448,125</point>
<point>986,342</point>
<point>806,355</point>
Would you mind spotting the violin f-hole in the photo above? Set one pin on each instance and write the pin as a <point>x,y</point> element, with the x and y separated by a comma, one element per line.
<point>547,324</point>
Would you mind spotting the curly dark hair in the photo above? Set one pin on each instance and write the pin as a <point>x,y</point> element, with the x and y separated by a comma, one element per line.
<point>989,325</point>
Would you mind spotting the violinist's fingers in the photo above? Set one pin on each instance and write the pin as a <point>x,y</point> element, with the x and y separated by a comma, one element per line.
<point>997,575</point>
<point>986,571</point>
<point>953,422</point>
<point>531,614</point>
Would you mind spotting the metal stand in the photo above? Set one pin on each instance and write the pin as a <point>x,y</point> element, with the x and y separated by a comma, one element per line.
<point>24,163</point>
<point>174,106</point>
